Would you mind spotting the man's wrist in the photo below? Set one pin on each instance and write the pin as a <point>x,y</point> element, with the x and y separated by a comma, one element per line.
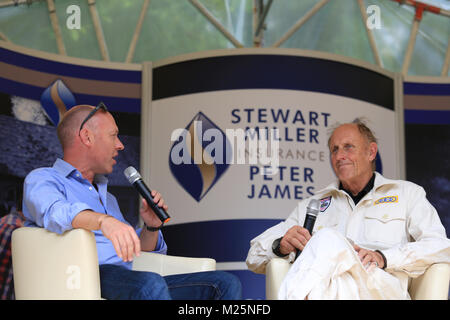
<point>384,258</point>
<point>153,229</point>
<point>102,218</point>
<point>276,248</point>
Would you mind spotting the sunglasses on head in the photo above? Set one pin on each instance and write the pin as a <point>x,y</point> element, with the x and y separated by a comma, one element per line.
<point>101,105</point>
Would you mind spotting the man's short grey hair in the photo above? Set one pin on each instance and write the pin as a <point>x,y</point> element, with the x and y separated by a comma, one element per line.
<point>365,131</point>
<point>361,123</point>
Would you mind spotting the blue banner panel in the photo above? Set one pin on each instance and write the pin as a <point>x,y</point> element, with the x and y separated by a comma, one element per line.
<point>420,88</point>
<point>255,284</point>
<point>427,136</point>
<point>272,72</point>
<point>115,104</point>
<point>207,238</point>
<point>427,116</point>
<point>68,69</point>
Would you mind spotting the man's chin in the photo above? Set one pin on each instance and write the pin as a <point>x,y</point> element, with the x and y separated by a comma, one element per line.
<point>344,175</point>
<point>107,170</point>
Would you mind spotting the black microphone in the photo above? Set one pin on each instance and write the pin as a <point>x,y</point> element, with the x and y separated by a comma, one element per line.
<point>136,180</point>
<point>312,210</point>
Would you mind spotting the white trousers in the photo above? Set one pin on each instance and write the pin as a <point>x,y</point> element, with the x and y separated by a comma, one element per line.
<point>329,268</point>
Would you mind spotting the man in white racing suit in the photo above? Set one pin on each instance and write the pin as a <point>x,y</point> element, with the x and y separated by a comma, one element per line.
<point>371,232</point>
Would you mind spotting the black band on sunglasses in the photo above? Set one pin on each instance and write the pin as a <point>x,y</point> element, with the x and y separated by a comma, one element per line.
<point>101,105</point>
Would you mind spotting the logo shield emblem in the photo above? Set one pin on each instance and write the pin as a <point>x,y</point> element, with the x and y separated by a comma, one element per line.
<point>200,156</point>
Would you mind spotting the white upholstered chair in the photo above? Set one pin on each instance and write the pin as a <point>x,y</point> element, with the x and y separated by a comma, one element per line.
<point>47,265</point>
<point>432,285</point>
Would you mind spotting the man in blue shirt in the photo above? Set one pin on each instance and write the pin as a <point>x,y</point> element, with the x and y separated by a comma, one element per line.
<point>73,194</point>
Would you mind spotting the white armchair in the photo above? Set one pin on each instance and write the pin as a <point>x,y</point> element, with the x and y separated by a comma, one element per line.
<point>432,285</point>
<point>47,265</point>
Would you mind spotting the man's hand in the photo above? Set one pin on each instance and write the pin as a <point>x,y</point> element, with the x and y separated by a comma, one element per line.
<point>295,238</point>
<point>369,257</point>
<point>123,237</point>
<point>147,214</point>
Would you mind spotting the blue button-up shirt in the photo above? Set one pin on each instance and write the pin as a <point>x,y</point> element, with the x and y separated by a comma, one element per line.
<point>54,196</point>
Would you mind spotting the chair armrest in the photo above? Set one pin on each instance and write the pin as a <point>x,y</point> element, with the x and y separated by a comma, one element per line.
<point>167,265</point>
<point>47,265</point>
<point>433,284</point>
<point>276,270</point>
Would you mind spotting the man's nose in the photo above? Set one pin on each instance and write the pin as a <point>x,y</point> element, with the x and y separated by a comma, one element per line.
<point>119,145</point>
<point>340,154</point>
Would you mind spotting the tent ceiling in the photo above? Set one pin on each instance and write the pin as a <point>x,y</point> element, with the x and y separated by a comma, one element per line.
<point>405,40</point>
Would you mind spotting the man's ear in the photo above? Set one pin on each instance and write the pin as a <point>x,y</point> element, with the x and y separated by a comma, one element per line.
<point>373,149</point>
<point>86,137</point>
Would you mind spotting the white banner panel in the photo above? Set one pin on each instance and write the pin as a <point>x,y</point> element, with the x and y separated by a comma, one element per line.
<point>255,191</point>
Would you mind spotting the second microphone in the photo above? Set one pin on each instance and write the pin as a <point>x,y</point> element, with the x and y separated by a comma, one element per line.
<point>312,210</point>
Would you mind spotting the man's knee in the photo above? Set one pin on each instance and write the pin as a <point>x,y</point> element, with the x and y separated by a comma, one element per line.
<point>229,285</point>
<point>151,287</point>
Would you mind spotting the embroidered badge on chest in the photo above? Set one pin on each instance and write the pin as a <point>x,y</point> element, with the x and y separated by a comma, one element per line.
<point>325,203</point>
<point>389,199</point>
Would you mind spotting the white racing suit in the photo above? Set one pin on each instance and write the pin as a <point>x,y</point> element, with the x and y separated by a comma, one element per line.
<point>394,217</point>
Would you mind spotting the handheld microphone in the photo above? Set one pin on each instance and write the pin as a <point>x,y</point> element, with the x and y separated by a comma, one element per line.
<point>312,210</point>
<point>136,180</point>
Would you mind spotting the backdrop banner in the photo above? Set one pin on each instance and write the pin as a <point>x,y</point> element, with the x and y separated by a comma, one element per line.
<point>426,103</point>
<point>235,141</point>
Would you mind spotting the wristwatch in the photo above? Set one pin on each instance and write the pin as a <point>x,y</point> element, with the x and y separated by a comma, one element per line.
<point>276,248</point>
<point>153,229</point>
